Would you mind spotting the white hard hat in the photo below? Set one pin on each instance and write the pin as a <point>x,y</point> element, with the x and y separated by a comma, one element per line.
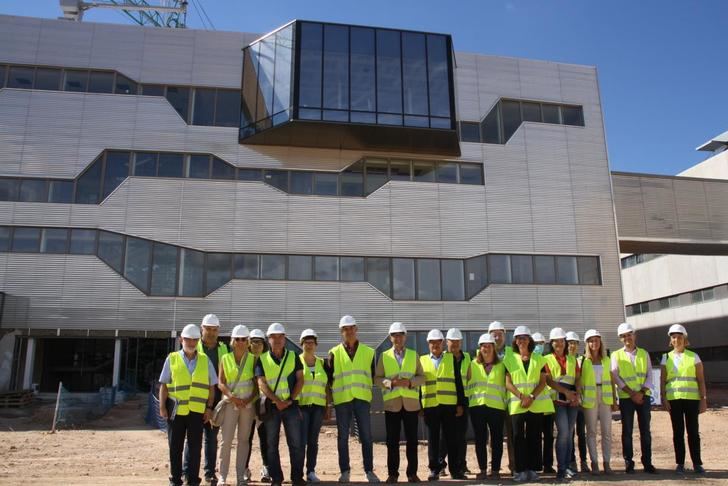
<point>624,328</point>
<point>211,320</point>
<point>677,328</point>
<point>347,321</point>
<point>397,327</point>
<point>454,334</point>
<point>275,328</point>
<point>435,335</point>
<point>557,333</point>
<point>257,333</point>
<point>572,336</point>
<point>308,333</point>
<point>522,331</point>
<point>538,337</point>
<point>486,338</point>
<point>191,331</point>
<point>240,331</point>
<point>496,326</point>
<point>591,333</point>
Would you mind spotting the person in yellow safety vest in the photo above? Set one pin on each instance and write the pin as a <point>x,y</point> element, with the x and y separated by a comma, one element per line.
<point>461,363</point>
<point>257,346</point>
<point>632,373</point>
<point>682,386</point>
<point>237,385</point>
<point>313,400</point>
<point>399,375</point>
<point>564,370</point>
<point>572,347</point>
<point>439,400</point>
<point>486,384</point>
<point>526,377</point>
<point>498,331</point>
<point>280,378</point>
<point>350,367</point>
<point>215,350</point>
<point>599,399</point>
<point>547,428</point>
<point>186,392</point>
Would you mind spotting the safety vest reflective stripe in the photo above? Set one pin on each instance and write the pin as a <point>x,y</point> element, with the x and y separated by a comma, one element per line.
<point>487,389</point>
<point>683,382</point>
<point>245,386</point>
<point>314,385</point>
<point>439,388</point>
<point>691,379</point>
<point>190,390</point>
<point>526,382</point>
<point>273,369</point>
<point>352,373</point>
<point>393,370</point>
<point>633,375</point>
<point>568,378</point>
<point>352,377</point>
<point>589,383</point>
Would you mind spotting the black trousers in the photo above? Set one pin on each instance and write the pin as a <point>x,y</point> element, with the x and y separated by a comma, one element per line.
<point>684,414</point>
<point>527,440</point>
<point>457,458</point>
<point>393,422</point>
<point>627,409</point>
<point>437,419</point>
<point>547,428</point>
<point>486,419</point>
<point>262,440</point>
<point>580,433</point>
<point>185,426</point>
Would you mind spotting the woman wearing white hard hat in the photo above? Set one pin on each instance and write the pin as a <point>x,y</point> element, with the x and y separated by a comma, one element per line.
<point>237,384</point>
<point>257,345</point>
<point>599,399</point>
<point>313,400</point>
<point>682,385</point>
<point>572,346</point>
<point>486,380</point>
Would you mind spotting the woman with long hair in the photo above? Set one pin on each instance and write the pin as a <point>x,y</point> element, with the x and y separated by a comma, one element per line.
<point>258,346</point>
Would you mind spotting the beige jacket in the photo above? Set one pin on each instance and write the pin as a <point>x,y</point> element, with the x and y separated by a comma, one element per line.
<point>396,404</point>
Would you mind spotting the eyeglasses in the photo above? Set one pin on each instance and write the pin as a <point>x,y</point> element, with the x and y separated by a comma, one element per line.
<point>240,339</point>
<point>397,334</point>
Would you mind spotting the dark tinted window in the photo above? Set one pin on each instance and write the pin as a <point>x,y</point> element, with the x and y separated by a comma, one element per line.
<point>4,230</point>
<point>218,271</point>
<point>137,260</point>
<point>531,111</point>
<point>588,270</point>
<point>171,165</point>
<point>46,78</point>
<point>428,279</point>
<point>33,190</point>
<point>545,272</point>
<point>377,174</point>
<point>399,170</point>
<point>111,249</point>
<point>336,67</point>
<point>414,74</point>
<point>423,171</point>
<point>277,178</point>
<point>191,272</point>
<point>352,180</point>
<point>153,90</point>
<point>250,174</point>
<point>453,280</point>
<point>199,167</point>
<point>227,108</point>
<point>20,77</point>
<point>438,77</point>
<point>26,240</point>
<point>447,172</point>
<point>301,182</point>
<point>572,115</point>
<point>246,266</point>
<point>551,113</point>
<point>76,81</point>
<point>511,111</point>
<point>470,132</point>
<point>300,267</point>
<point>3,70</point>
<point>476,275</point>
<point>566,270</point>
<point>117,169</point>
<point>522,269</point>
<point>490,126</point>
<point>9,189</point>
<point>222,170</point>
<point>362,70</point>
<point>378,274</point>
<point>54,240</point>
<point>403,279</point>
<point>326,268</point>
<point>125,85</point>
<point>311,65</point>
<point>145,164</point>
<point>325,184</point>
<point>499,269</point>
<point>101,82</point>
<point>61,192</point>
<point>179,98</point>
<point>83,242</point>
<point>352,269</point>
<point>471,174</point>
<point>389,72</point>
<point>273,267</point>
<point>164,270</point>
<point>88,185</point>
<point>204,111</point>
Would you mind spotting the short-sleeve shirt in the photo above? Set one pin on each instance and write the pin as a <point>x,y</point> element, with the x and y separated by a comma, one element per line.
<point>260,370</point>
<point>166,375</point>
<point>676,358</point>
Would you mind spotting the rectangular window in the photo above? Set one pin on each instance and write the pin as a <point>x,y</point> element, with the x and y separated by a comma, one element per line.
<point>46,78</point>
<point>336,67</point>
<point>531,111</point>
<point>311,65</point>
<point>164,270</point>
<point>145,164</point>
<point>471,174</point>
<point>199,167</point>
<point>352,180</point>
<point>400,170</point>
<point>179,98</point>
<point>470,132</point>
<point>511,111</point>
<point>695,297</point>
<point>423,171</point>
<point>4,230</point>
<point>453,281</point>
<point>325,184</point>
<point>9,189</point>
<point>117,170</point>
<point>246,266</point>
<point>282,81</point>
<point>447,172</point>
<point>33,190</point>
<point>326,268</point>
<point>222,170</point>
<point>20,77</point>
<point>83,242</point>
<point>88,186</point>
<point>663,304</point>
<point>273,267</point>
<point>153,90</point>
<point>545,271</point>
<point>101,82</point>
<point>277,178</point>
<point>125,85</point>
<point>352,269</point>
<point>227,108</point>
<point>572,115</point>
<point>438,75</point>
<point>137,262</point>
<point>588,270</point>
<point>363,83</point>
<point>403,279</point>
<point>171,165</point>
<point>389,72</point>
<point>54,240</point>
<point>476,275</point>
<point>522,269</point>
<point>301,182</point>
<point>76,81</point>
<point>378,274</point>
<point>377,174</point>
<point>708,294</point>
<point>26,240</point>
<point>414,74</point>
<point>566,270</point>
<point>111,249</point>
<point>191,273</point>
<point>218,271</point>
<point>204,109</point>
<point>428,279</point>
<point>300,267</point>
<point>490,126</point>
<point>551,113</point>
<point>499,269</point>
<point>674,301</point>
<point>250,175</point>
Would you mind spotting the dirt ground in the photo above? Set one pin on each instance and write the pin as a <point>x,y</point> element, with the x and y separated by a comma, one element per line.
<point>119,449</point>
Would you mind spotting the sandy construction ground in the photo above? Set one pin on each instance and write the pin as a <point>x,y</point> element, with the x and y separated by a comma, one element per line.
<point>120,449</point>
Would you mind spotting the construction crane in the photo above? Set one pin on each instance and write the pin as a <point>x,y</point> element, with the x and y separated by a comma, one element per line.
<point>169,13</point>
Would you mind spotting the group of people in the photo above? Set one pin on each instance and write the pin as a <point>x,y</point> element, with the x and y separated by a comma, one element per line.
<point>517,393</point>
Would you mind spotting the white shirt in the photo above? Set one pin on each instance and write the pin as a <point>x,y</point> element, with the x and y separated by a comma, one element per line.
<point>676,359</point>
<point>598,370</point>
<point>436,361</point>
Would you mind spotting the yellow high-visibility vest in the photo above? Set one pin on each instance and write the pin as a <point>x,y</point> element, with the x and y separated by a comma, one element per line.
<point>589,383</point>
<point>526,382</point>
<point>633,375</point>
<point>487,389</point>
<point>407,371</point>
<point>245,386</point>
<point>222,349</point>
<point>439,387</point>
<point>683,383</point>
<point>569,378</point>
<point>191,391</point>
<point>273,369</point>
<point>314,386</point>
<point>352,378</point>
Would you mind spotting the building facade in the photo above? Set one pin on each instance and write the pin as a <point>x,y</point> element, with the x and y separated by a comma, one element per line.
<point>151,176</point>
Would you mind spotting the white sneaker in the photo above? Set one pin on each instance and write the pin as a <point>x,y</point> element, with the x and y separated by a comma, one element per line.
<point>247,475</point>
<point>344,478</point>
<point>312,478</point>
<point>532,476</point>
<point>264,475</point>
<point>372,478</point>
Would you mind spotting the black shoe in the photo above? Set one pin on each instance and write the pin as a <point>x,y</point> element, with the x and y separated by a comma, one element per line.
<point>434,476</point>
<point>629,467</point>
<point>458,475</point>
<point>391,479</point>
<point>414,479</point>
<point>549,470</point>
<point>699,469</point>
<point>680,469</point>
<point>211,480</point>
<point>650,469</point>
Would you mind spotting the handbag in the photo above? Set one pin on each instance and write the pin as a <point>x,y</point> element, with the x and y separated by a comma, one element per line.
<point>265,406</point>
<point>218,413</point>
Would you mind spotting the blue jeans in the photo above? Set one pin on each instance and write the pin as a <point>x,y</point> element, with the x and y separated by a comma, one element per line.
<point>359,409</point>
<point>209,445</point>
<point>291,419</point>
<point>313,418</point>
<point>565,423</point>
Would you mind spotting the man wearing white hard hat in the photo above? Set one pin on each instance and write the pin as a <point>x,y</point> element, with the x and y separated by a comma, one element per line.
<point>350,367</point>
<point>632,373</point>
<point>572,345</point>
<point>683,389</point>
<point>215,350</point>
<point>237,384</point>
<point>399,375</point>
<point>186,393</point>
<point>439,400</point>
<point>258,345</point>
<point>280,378</point>
<point>313,402</point>
<point>498,331</point>
<point>461,361</point>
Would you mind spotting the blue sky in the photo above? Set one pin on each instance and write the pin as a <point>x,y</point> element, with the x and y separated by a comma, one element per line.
<point>662,68</point>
